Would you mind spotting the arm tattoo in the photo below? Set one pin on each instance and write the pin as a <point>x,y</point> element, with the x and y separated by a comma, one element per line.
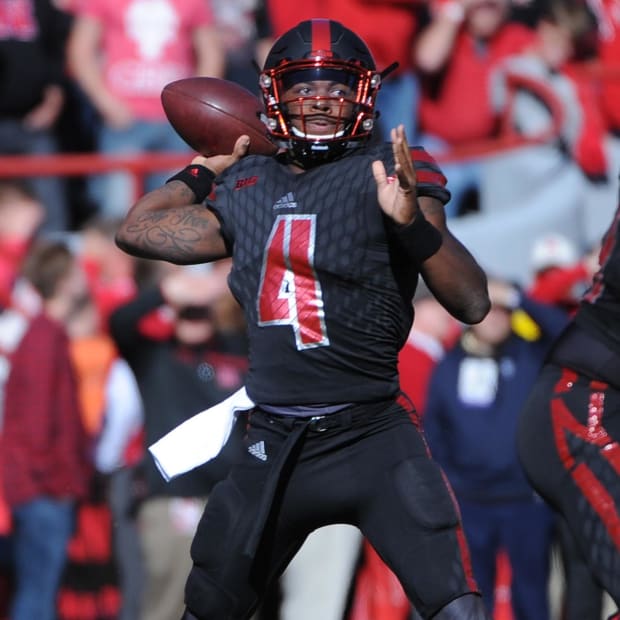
<point>172,234</point>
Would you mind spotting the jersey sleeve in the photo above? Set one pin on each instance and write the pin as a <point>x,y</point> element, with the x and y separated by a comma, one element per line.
<point>217,202</point>
<point>431,180</point>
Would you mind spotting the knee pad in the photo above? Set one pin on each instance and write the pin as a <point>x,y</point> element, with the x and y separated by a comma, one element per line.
<point>423,489</point>
<point>466,607</point>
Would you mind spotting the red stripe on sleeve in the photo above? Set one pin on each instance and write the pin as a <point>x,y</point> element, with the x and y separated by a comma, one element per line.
<point>431,177</point>
<point>419,154</point>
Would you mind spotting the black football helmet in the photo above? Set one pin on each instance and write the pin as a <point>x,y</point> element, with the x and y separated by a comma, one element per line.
<point>320,49</point>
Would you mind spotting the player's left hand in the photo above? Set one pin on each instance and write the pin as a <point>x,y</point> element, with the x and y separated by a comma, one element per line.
<point>397,195</point>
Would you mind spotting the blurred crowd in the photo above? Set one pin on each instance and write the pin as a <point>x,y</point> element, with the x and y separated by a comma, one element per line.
<point>101,354</point>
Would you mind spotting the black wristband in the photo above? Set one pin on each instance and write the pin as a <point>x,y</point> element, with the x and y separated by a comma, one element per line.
<point>198,178</point>
<point>419,240</point>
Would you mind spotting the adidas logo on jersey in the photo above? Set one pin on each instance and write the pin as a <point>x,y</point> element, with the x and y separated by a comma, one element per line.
<point>286,202</point>
<point>258,450</point>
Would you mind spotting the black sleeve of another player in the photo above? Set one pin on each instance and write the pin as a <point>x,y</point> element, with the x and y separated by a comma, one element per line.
<point>431,180</point>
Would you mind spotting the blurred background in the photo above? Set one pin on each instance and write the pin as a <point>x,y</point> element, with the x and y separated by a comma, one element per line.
<point>518,100</point>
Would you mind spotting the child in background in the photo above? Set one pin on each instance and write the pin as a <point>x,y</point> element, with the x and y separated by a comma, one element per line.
<point>561,275</point>
<point>21,215</point>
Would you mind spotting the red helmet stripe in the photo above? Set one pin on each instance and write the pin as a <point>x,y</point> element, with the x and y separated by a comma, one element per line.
<point>321,35</point>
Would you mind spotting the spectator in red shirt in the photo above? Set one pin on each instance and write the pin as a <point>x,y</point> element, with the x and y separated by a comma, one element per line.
<point>554,65</point>
<point>608,18</point>
<point>122,53</point>
<point>455,54</point>
<point>44,451</point>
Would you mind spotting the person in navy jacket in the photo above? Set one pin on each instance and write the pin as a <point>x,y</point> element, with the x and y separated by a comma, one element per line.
<point>474,399</point>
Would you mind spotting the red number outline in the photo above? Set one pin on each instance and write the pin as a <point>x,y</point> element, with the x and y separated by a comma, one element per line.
<point>289,290</point>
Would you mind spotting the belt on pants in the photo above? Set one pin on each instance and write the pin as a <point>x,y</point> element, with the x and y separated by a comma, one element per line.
<point>315,423</point>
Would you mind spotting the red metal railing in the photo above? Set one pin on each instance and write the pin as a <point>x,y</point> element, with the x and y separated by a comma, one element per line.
<point>78,164</point>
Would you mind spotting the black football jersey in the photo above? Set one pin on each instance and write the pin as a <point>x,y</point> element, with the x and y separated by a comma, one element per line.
<point>599,310</point>
<point>326,297</point>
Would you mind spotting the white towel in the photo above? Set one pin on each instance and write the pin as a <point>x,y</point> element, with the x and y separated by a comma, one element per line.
<point>199,439</point>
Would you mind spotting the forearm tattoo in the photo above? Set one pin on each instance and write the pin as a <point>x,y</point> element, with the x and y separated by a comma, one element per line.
<point>179,234</point>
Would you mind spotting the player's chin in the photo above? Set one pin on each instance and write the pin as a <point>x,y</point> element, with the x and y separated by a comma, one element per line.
<point>324,132</point>
<point>320,130</point>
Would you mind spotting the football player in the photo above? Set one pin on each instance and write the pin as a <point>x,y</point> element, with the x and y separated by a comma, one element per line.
<point>570,426</point>
<point>328,239</point>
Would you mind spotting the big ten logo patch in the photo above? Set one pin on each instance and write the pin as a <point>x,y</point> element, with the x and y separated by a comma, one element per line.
<point>247,182</point>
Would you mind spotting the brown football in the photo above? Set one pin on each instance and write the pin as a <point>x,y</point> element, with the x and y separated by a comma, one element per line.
<point>211,113</point>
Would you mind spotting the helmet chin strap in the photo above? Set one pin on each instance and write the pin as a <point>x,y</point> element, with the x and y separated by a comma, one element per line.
<point>311,154</point>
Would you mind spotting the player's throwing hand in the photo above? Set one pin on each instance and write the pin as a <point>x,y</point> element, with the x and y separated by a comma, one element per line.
<point>219,163</point>
<point>398,196</point>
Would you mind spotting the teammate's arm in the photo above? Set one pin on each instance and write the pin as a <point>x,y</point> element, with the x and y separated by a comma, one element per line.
<point>448,268</point>
<point>167,224</point>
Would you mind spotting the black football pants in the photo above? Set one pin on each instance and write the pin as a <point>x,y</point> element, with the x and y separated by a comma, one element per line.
<point>368,466</point>
<point>568,443</point>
